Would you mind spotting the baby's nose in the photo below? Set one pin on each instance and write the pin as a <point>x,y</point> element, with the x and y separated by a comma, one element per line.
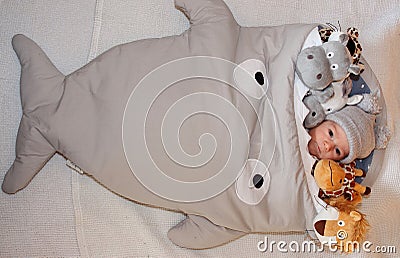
<point>328,145</point>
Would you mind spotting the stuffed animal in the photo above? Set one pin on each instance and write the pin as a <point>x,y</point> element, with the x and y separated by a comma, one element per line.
<point>340,98</point>
<point>341,226</point>
<point>338,56</point>
<point>352,44</point>
<point>336,179</point>
<point>319,66</point>
<point>316,112</point>
<point>327,101</point>
<point>354,47</point>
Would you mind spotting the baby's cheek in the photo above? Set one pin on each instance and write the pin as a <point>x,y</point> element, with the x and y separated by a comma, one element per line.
<point>311,149</point>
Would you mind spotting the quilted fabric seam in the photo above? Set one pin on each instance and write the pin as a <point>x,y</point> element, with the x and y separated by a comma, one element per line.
<point>79,223</point>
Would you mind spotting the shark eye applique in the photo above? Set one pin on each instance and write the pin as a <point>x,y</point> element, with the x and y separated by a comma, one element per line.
<point>253,183</point>
<point>250,78</point>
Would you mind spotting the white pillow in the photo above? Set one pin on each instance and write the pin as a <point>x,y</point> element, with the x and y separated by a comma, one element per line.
<point>301,111</point>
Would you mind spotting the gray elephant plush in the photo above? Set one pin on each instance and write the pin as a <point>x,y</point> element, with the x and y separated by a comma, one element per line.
<point>325,70</point>
<point>328,101</point>
<point>313,103</point>
<point>319,66</point>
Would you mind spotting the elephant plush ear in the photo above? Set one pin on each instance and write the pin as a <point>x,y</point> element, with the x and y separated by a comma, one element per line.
<point>339,36</point>
<point>316,114</point>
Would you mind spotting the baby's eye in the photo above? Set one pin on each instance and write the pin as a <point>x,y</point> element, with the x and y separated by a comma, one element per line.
<point>337,151</point>
<point>330,133</point>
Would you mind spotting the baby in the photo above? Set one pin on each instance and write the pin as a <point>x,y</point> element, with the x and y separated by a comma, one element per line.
<point>344,136</point>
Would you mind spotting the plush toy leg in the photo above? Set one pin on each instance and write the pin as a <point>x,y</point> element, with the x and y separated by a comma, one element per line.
<point>359,172</point>
<point>197,232</point>
<point>364,190</point>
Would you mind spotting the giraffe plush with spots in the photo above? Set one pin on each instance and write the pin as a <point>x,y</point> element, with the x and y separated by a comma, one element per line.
<point>336,179</point>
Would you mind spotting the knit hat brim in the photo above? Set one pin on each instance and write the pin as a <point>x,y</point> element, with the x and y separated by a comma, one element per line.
<point>359,129</point>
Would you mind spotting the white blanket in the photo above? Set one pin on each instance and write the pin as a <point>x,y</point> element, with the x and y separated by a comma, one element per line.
<point>62,213</point>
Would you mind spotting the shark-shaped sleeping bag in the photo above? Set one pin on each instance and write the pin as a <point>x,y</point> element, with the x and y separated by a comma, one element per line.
<point>202,123</point>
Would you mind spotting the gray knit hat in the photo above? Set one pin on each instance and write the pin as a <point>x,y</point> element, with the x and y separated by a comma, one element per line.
<point>359,128</point>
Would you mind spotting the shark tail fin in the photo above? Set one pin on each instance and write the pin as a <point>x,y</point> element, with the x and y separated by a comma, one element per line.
<point>42,86</point>
<point>32,153</point>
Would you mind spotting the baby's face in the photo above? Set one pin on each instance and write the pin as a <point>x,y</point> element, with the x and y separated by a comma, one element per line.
<point>328,141</point>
